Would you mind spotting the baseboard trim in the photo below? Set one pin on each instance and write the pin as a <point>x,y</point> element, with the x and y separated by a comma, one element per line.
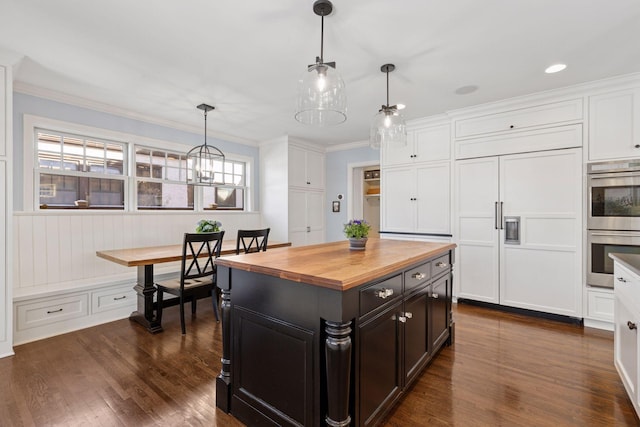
<point>533,313</point>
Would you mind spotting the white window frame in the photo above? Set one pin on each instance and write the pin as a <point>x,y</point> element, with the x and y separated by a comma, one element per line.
<point>30,174</point>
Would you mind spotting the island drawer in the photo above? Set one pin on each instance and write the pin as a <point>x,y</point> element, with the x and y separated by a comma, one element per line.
<point>440,265</point>
<point>378,294</point>
<point>417,276</point>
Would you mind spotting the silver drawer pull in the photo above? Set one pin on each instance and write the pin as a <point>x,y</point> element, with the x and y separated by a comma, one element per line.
<point>54,311</point>
<point>441,264</point>
<point>632,325</point>
<point>622,279</point>
<point>434,295</point>
<point>418,276</point>
<point>119,298</point>
<point>383,293</point>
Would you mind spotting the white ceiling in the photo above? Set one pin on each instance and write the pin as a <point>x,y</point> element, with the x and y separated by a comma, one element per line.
<point>161,58</point>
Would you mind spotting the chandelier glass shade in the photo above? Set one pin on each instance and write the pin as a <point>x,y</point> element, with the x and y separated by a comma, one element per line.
<point>388,126</point>
<point>322,98</point>
<point>205,163</point>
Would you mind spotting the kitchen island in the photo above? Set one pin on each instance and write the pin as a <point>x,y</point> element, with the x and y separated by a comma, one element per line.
<point>324,335</point>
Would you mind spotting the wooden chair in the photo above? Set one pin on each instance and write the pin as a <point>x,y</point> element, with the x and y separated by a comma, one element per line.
<point>197,273</point>
<point>252,240</point>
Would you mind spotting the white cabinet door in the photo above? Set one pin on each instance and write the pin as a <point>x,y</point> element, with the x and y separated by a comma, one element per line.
<point>433,199</point>
<point>315,170</point>
<point>626,346</point>
<point>297,168</point>
<point>432,143</point>
<point>315,217</point>
<point>306,168</point>
<point>3,112</point>
<point>543,271</point>
<point>614,125</point>
<point>395,156</point>
<point>476,197</point>
<point>398,208</point>
<point>424,144</point>
<point>306,217</point>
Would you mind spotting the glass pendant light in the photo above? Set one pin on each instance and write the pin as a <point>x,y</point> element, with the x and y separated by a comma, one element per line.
<point>322,98</point>
<point>388,126</point>
<point>205,163</point>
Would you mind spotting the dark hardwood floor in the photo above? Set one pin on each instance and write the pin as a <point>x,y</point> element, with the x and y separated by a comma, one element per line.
<point>504,369</point>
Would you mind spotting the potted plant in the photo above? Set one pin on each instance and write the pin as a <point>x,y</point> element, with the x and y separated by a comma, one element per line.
<point>208,226</point>
<point>357,231</point>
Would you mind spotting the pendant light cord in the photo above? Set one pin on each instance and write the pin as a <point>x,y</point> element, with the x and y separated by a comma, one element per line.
<point>322,39</point>
<point>205,128</point>
<point>387,88</point>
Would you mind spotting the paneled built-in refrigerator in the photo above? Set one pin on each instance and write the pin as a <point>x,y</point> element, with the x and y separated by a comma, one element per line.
<point>519,230</point>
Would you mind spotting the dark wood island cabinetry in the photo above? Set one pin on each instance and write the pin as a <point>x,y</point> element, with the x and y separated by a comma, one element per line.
<point>322,335</point>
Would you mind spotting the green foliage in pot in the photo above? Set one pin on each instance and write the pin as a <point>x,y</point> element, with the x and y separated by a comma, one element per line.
<point>357,229</point>
<point>208,226</point>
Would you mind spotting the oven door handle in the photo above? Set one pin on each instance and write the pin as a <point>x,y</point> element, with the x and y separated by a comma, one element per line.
<point>593,176</point>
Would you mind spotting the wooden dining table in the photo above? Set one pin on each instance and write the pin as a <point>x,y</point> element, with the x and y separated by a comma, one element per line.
<point>144,259</point>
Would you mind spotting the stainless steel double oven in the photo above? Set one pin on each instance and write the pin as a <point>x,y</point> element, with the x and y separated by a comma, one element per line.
<point>614,216</point>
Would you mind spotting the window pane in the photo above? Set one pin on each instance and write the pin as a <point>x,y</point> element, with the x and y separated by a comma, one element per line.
<point>63,191</point>
<point>223,197</point>
<point>49,151</point>
<point>72,153</point>
<point>176,167</point>
<point>160,195</point>
<point>143,163</point>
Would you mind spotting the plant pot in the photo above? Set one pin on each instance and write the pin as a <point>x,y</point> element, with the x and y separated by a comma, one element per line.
<point>357,244</point>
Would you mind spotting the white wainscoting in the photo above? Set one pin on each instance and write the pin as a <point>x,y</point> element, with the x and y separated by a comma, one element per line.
<point>56,250</point>
<point>60,285</point>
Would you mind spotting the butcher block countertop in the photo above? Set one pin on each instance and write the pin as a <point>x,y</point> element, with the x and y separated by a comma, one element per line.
<point>333,265</point>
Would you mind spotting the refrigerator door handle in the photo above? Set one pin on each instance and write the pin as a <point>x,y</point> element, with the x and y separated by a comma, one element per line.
<point>495,217</point>
<point>501,216</point>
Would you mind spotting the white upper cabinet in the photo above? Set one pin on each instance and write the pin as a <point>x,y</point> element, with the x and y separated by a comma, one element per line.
<point>614,125</point>
<point>530,117</point>
<point>424,144</point>
<point>306,168</point>
<point>3,112</point>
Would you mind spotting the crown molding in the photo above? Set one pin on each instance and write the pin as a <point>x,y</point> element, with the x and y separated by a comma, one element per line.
<point>347,146</point>
<point>77,101</point>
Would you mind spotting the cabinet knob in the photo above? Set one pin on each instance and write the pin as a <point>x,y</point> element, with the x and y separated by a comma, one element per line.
<point>308,229</point>
<point>308,182</point>
<point>441,264</point>
<point>511,127</point>
<point>402,319</point>
<point>637,145</point>
<point>632,325</point>
<point>408,315</point>
<point>434,295</point>
<point>383,293</point>
<point>622,279</point>
<point>418,276</point>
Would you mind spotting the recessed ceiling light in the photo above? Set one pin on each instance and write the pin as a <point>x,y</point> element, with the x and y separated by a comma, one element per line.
<point>555,68</point>
<point>401,106</point>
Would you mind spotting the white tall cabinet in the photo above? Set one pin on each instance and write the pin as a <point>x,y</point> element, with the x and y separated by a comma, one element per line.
<point>519,230</point>
<point>6,242</point>
<point>415,182</point>
<point>292,196</point>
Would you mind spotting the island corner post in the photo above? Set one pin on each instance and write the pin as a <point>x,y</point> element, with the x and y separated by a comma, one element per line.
<point>293,344</point>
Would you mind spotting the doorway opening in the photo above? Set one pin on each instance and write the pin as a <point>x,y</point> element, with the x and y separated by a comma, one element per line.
<point>364,195</point>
